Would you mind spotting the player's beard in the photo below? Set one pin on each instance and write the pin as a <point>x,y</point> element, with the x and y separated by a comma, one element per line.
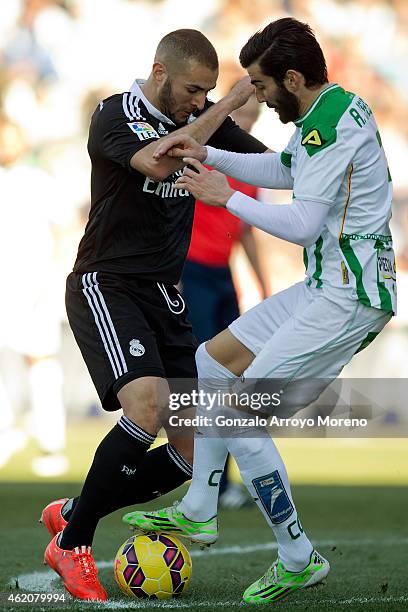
<point>286,105</point>
<point>167,101</point>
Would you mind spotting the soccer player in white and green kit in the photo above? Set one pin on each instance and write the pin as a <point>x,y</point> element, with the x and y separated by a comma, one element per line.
<point>336,166</point>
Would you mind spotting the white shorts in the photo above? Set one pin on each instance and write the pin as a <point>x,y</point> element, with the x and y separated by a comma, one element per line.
<point>304,332</point>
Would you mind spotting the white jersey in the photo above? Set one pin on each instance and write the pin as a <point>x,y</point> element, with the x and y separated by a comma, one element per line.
<point>336,157</point>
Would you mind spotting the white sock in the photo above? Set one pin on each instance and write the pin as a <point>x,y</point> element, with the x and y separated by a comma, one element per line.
<point>201,500</point>
<point>210,452</point>
<point>265,477</point>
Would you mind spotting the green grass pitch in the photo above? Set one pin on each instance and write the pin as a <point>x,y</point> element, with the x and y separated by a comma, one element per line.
<point>361,530</point>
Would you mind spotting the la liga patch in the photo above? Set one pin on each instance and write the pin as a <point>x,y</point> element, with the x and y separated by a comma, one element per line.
<point>273,496</point>
<point>143,130</point>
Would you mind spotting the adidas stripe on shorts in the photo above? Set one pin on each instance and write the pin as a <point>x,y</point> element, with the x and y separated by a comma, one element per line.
<point>127,328</point>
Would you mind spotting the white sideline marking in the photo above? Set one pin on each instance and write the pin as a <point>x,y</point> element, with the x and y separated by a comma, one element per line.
<point>47,581</point>
<point>130,604</point>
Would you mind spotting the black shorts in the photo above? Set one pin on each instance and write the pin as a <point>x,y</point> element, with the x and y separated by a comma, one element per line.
<point>127,328</point>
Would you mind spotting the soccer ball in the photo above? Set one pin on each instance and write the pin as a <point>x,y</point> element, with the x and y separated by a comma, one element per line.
<point>153,566</point>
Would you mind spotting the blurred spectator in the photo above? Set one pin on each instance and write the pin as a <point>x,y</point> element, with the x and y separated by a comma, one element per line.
<point>29,311</point>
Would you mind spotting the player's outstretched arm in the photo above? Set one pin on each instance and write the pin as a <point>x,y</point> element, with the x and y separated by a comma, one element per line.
<point>183,145</point>
<point>259,169</point>
<point>253,168</point>
<point>201,130</point>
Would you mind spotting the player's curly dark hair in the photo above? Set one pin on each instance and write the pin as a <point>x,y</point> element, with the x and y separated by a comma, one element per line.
<point>286,44</point>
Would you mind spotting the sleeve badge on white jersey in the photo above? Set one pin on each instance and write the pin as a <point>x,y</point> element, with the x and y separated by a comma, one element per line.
<point>143,130</point>
<point>313,138</point>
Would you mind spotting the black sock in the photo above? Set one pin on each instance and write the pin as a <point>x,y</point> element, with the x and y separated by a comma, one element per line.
<point>112,471</point>
<point>161,470</point>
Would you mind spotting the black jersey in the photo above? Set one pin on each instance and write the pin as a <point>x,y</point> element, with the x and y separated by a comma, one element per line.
<point>137,225</point>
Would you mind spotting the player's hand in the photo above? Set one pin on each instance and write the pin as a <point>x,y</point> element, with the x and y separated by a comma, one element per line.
<point>181,145</point>
<point>240,93</point>
<point>209,187</point>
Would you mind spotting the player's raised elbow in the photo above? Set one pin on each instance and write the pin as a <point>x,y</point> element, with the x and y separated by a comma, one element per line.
<point>309,222</point>
<point>308,237</point>
<point>155,170</point>
<point>157,173</point>
<point>160,170</point>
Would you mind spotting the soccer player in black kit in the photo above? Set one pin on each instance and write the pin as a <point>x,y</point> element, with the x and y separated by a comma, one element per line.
<point>128,319</point>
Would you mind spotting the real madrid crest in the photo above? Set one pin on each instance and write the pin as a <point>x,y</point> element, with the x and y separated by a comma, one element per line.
<point>136,348</point>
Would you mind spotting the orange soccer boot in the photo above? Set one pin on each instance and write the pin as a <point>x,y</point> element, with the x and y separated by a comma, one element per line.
<point>77,569</point>
<point>52,518</point>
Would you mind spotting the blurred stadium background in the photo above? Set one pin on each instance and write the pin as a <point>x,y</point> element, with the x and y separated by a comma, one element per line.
<point>58,58</point>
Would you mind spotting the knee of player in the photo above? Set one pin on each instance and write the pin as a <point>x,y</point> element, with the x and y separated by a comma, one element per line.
<point>208,367</point>
<point>146,401</point>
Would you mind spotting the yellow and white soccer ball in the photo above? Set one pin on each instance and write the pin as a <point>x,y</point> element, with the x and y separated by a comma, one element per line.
<point>153,566</point>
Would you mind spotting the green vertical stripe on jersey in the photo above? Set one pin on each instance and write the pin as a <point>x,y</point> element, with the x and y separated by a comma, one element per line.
<point>318,255</point>
<point>383,292</point>
<point>356,269</point>
<point>305,258</point>
<point>385,298</point>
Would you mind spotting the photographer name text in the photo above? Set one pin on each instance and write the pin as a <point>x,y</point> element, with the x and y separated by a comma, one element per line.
<point>257,421</point>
